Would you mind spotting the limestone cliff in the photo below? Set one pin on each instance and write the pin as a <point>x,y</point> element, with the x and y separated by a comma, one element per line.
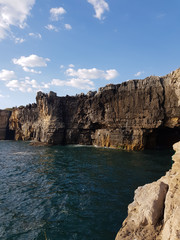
<point>133,115</point>
<point>155,212</point>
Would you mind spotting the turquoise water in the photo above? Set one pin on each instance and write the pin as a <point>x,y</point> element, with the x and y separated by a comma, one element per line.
<point>70,192</point>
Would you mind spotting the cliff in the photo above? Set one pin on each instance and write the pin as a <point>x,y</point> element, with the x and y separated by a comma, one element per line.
<point>5,133</point>
<point>133,115</point>
<point>155,212</point>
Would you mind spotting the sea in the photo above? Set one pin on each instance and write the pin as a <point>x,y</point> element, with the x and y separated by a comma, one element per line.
<point>70,192</point>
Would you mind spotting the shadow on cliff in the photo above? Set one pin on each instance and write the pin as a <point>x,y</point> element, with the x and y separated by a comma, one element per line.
<point>10,134</point>
<point>162,138</point>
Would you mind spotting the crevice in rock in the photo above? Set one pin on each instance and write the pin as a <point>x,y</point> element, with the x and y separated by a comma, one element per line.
<point>162,104</point>
<point>161,219</point>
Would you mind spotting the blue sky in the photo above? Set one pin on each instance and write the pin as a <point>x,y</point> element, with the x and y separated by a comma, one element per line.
<point>74,46</point>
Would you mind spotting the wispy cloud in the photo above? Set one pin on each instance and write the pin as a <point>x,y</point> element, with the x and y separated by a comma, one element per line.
<point>4,96</point>
<point>51,27</point>
<point>26,85</point>
<point>67,26</point>
<point>35,35</point>
<point>138,74</point>
<point>13,13</point>
<point>100,6</point>
<point>19,40</point>
<point>56,13</point>
<point>161,15</point>
<point>61,66</point>
<point>71,65</point>
<point>31,70</point>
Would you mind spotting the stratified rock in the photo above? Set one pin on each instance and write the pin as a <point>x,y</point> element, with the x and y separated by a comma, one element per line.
<point>155,212</point>
<point>133,115</point>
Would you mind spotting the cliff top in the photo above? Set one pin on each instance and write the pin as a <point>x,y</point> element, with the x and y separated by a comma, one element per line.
<point>133,82</point>
<point>129,84</point>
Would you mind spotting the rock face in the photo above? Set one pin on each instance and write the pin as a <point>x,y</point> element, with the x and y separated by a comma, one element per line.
<point>155,212</point>
<point>133,115</point>
<point>4,125</point>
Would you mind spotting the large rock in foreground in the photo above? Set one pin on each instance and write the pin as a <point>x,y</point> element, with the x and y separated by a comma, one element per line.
<point>155,212</point>
<point>133,115</point>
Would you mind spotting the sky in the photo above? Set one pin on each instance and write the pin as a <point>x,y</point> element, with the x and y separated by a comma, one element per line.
<point>75,46</point>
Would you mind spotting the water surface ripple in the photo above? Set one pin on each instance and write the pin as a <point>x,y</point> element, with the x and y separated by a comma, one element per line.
<point>71,192</point>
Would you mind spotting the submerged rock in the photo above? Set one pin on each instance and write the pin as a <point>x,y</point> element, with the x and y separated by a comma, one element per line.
<point>133,115</point>
<point>155,212</point>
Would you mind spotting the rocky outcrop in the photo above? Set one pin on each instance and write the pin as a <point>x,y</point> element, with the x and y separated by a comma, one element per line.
<point>133,115</point>
<point>155,212</point>
<point>5,133</point>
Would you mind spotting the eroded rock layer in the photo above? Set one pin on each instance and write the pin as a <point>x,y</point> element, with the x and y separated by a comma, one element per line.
<point>155,212</point>
<point>133,115</point>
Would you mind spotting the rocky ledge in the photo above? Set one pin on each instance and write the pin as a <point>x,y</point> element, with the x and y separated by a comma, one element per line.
<point>134,115</point>
<point>155,212</point>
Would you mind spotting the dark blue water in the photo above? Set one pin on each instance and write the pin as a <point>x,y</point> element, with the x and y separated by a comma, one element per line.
<point>72,192</point>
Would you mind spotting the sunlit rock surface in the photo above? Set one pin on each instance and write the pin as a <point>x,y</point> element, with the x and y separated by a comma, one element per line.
<point>155,212</point>
<point>133,115</point>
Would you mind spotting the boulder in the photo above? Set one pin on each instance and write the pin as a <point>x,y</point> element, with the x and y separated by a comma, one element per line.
<point>155,212</point>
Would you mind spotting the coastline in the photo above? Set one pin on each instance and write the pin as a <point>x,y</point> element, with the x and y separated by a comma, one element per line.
<point>155,211</point>
<point>133,115</point>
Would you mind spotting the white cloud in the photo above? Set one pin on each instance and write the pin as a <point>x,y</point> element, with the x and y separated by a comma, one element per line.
<point>74,82</point>
<point>31,61</point>
<point>35,35</point>
<point>61,66</point>
<point>82,78</point>
<point>92,73</point>
<point>81,83</point>
<point>26,86</point>
<point>31,70</point>
<point>4,96</point>
<point>51,27</point>
<point>138,73</point>
<point>58,82</point>
<point>161,15</point>
<point>85,73</point>
<point>111,74</point>
<point>13,13</point>
<point>56,13</point>
<point>12,84</point>
<point>100,6</point>
<point>6,75</point>
<point>67,26</point>
<point>19,40</point>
